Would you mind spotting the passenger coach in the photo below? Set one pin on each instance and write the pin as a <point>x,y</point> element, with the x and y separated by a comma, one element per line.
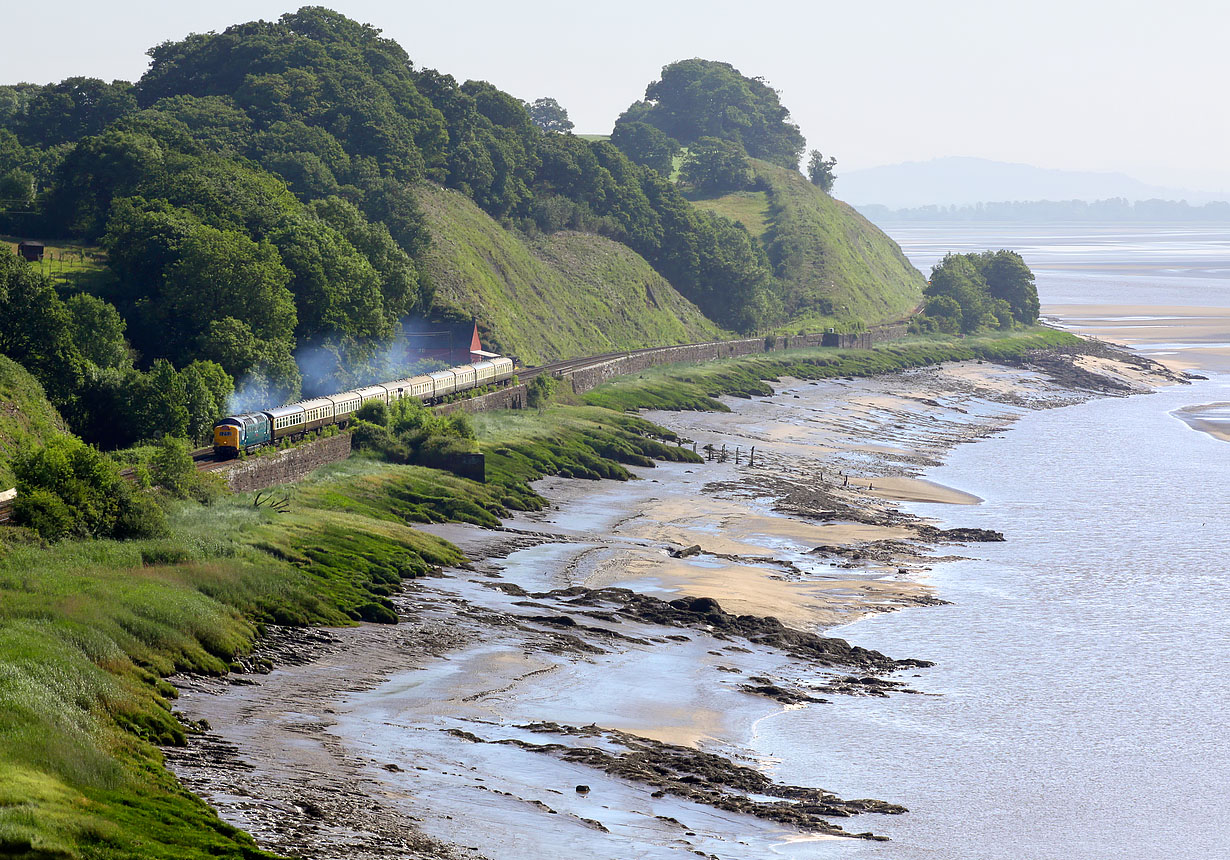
<point>245,432</point>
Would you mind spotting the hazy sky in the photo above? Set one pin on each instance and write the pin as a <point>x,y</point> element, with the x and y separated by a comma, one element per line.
<point>1084,84</point>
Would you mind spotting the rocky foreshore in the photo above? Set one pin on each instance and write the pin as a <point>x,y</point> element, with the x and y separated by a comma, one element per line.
<point>589,684</point>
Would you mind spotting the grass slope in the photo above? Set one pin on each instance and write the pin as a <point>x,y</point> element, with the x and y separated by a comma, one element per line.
<point>825,254</point>
<point>822,248</point>
<point>26,417</point>
<point>558,296</point>
<point>749,208</point>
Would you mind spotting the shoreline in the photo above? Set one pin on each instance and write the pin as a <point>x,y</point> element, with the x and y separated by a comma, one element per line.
<point>779,540</point>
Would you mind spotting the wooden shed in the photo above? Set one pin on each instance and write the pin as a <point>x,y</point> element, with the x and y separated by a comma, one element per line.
<point>31,252</point>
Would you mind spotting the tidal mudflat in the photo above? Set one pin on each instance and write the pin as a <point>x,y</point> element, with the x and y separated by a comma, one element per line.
<point>594,681</point>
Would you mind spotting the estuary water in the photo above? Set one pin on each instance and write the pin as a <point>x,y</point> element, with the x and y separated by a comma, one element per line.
<point>1079,706</point>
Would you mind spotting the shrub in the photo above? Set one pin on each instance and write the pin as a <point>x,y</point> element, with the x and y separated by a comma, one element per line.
<point>68,489</point>
<point>172,468</point>
<point>375,412</point>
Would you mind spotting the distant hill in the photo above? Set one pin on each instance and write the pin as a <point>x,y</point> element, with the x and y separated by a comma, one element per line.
<point>963,181</point>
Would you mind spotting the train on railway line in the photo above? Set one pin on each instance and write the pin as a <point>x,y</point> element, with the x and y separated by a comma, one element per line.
<point>238,433</point>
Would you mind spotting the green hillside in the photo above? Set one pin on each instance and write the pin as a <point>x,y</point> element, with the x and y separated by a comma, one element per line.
<point>831,265</point>
<point>822,249</point>
<point>749,208</point>
<point>26,417</point>
<point>560,295</point>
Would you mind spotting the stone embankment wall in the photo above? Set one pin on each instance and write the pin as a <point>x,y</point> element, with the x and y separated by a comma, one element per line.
<point>269,470</point>
<point>587,378</point>
<point>512,397</point>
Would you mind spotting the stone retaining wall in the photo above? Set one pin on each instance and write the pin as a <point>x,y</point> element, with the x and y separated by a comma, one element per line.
<point>512,397</point>
<point>269,470</point>
<point>587,378</point>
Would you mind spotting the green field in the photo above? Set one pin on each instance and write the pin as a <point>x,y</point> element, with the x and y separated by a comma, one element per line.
<point>71,266</point>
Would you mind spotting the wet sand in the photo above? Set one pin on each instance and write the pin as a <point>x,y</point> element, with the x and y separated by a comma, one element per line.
<point>1179,336</point>
<point>466,730</point>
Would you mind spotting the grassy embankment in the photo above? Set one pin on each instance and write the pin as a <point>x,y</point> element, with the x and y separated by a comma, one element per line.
<point>26,418</point>
<point>823,252</point>
<point>556,296</point>
<point>89,629</point>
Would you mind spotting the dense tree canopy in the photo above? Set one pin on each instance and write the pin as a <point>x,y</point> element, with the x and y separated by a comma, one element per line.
<point>255,195</point>
<point>716,166</point>
<point>972,291</point>
<point>646,145</point>
<point>702,98</point>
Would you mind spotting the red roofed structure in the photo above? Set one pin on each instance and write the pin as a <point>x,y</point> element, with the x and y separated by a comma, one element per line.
<point>448,341</point>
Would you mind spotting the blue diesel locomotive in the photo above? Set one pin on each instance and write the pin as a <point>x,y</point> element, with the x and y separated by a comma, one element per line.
<point>245,432</point>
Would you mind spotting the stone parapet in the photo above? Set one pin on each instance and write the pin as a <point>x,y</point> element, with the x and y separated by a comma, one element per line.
<point>284,467</point>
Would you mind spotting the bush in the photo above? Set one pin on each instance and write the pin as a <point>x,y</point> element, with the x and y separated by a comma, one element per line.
<point>540,391</point>
<point>375,412</point>
<point>45,513</point>
<point>68,489</point>
<point>172,468</point>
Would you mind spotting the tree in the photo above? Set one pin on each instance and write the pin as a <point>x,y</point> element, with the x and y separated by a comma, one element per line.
<point>16,189</point>
<point>172,467</point>
<point>646,145</point>
<point>550,115</point>
<point>820,171</point>
<point>716,166</point>
<point>1008,278</point>
<point>36,329</point>
<point>957,277</point>
<point>702,98</point>
<point>994,288</point>
<point>98,331</point>
<point>207,390</point>
<point>946,313</point>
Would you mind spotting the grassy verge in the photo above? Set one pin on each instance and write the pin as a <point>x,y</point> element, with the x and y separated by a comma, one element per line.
<point>89,629</point>
<point>696,386</point>
<point>556,296</point>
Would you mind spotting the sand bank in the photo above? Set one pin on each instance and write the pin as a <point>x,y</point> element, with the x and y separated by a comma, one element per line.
<point>1179,336</point>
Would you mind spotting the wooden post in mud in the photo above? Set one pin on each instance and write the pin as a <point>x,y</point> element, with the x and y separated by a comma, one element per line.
<point>751,458</point>
<point>736,456</point>
<point>723,452</point>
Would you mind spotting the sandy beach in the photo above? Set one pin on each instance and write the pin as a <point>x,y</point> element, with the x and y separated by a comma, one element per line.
<point>589,685</point>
